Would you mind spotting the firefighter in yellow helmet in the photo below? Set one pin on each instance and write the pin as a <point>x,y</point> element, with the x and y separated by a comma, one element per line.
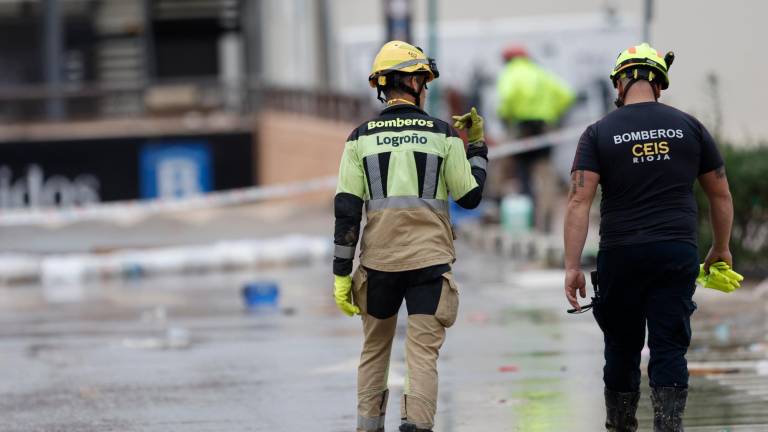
<point>401,166</point>
<point>646,157</point>
<point>641,62</point>
<point>400,58</point>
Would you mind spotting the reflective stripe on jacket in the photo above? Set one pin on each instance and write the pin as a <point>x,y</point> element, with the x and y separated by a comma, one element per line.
<point>402,166</point>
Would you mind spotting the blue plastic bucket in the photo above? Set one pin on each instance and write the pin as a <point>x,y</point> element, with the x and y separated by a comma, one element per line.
<point>261,294</point>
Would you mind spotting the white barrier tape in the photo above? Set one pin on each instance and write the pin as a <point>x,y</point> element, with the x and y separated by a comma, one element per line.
<point>550,139</point>
<point>123,209</point>
<point>65,270</point>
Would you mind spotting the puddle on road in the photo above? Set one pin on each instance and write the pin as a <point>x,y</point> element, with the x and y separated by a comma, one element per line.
<point>174,338</point>
<point>728,364</point>
<point>542,411</point>
<point>528,377</point>
<point>534,316</point>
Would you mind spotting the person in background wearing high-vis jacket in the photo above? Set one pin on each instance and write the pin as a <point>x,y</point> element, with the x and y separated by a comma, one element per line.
<point>401,166</point>
<point>531,101</point>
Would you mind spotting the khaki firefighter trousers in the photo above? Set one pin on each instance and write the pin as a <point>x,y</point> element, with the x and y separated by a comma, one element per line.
<point>432,307</point>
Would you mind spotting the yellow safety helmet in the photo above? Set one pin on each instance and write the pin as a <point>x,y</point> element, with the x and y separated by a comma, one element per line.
<point>643,62</point>
<point>399,56</point>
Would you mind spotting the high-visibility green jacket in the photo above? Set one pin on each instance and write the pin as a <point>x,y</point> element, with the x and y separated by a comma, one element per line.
<point>528,92</point>
<point>402,166</point>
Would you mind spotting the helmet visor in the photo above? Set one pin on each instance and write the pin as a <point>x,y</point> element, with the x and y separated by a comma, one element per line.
<point>433,67</point>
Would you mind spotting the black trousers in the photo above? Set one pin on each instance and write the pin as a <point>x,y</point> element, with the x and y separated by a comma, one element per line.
<point>420,288</point>
<point>649,284</point>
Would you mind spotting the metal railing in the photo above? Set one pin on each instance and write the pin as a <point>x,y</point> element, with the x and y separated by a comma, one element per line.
<point>324,104</point>
<point>27,103</point>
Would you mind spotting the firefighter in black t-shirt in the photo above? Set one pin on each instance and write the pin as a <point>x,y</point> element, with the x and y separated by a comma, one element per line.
<point>646,157</point>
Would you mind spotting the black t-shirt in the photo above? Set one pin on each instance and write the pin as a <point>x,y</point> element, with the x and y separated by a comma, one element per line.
<point>648,155</point>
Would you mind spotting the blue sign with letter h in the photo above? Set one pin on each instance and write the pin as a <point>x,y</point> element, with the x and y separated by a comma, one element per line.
<point>175,169</point>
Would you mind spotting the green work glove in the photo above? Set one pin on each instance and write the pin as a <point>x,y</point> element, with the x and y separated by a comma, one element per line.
<point>342,292</point>
<point>473,122</point>
<point>720,277</point>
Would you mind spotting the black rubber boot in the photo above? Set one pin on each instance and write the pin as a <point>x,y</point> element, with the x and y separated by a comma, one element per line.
<point>620,411</point>
<point>407,427</point>
<point>668,407</point>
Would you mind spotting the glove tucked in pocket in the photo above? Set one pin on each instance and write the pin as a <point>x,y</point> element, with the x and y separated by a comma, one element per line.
<point>448,307</point>
<point>360,289</point>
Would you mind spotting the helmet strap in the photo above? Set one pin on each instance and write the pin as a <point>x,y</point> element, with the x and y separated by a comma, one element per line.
<point>619,102</point>
<point>397,84</point>
<point>415,93</point>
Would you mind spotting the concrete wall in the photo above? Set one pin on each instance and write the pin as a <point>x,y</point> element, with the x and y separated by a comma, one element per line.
<point>289,42</point>
<point>709,38</point>
<point>725,39</point>
<point>350,13</point>
<point>717,38</point>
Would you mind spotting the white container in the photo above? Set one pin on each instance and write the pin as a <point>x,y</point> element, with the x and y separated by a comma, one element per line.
<point>516,213</point>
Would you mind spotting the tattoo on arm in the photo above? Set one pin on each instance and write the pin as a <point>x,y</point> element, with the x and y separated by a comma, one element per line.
<point>577,181</point>
<point>720,172</point>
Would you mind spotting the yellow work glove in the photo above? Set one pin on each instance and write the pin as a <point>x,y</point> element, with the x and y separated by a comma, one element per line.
<point>723,268</point>
<point>342,293</point>
<point>720,277</point>
<point>473,122</point>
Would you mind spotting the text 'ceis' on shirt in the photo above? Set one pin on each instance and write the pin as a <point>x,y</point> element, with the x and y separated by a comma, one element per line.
<point>648,156</point>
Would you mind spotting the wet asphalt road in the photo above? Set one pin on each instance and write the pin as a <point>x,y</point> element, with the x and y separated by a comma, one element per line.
<point>181,354</point>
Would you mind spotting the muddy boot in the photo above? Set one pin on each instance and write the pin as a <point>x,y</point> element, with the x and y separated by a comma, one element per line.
<point>668,407</point>
<point>407,427</point>
<point>620,411</point>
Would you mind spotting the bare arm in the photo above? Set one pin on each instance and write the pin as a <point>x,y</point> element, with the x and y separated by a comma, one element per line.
<point>715,185</point>
<point>582,193</point>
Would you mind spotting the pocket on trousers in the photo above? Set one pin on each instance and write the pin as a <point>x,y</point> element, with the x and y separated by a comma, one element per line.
<point>360,289</point>
<point>691,307</point>
<point>598,311</point>
<point>448,306</point>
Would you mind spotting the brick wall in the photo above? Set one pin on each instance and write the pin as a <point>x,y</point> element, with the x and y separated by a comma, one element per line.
<point>295,147</point>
